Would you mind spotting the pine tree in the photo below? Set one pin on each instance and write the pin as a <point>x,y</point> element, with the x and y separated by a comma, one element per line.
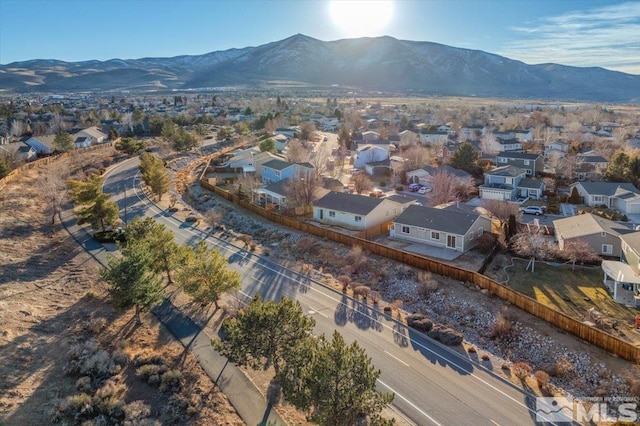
<point>94,206</point>
<point>205,276</point>
<point>63,141</point>
<point>465,158</point>
<point>133,283</point>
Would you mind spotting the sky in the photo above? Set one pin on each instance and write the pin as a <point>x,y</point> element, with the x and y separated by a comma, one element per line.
<point>571,32</point>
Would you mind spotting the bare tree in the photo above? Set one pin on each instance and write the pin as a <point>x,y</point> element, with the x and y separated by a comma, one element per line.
<point>534,245</point>
<point>296,153</point>
<point>270,126</point>
<point>408,139</point>
<point>17,128</point>
<point>487,144</point>
<point>443,187</point>
<point>416,157</point>
<point>213,218</point>
<point>361,183</point>
<point>307,130</point>
<point>578,251</point>
<point>501,210</point>
<point>244,186</point>
<point>57,123</point>
<point>302,189</point>
<point>53,185</point>
<point>320,161</point>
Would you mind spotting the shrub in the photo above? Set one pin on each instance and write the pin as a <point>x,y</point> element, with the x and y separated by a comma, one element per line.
<point>562,367</point>
<point>375,296</point>
<point>361,290</point>
<point>345,280</point>
<point>135,412</point>
<point>170,381</point>
<point>632,378</point>
<point>485,357</point>
<point>502,326</point>
<point>486,242</point>
<point>521,370</point>
<point>472,350</point>
<point>77,407</point>
<point>542,378</point>
<point>88,360</point>
<point>399,188</point>
<point>83,384</point>
<point>426,284</point>
<point>445,335</point>
<point>146,371</point>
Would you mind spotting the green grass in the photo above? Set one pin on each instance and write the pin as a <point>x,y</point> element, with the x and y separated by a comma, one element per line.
<point>566,290</point>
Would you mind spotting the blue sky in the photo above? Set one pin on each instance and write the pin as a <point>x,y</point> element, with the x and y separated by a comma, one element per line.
<point>580,33</point>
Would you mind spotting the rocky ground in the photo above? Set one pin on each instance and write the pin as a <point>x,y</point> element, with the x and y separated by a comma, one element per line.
<point>52,299</point>
<point>498,335</point>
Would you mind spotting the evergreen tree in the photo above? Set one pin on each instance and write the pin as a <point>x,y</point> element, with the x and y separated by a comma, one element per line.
<point>344,137</point>
<point>94,206</point>
<point>205,276</point>
<point>4,167</point>
<point>574,197</point>
<point>63,141</point>
<point>267,145</point>
<point>465,158</point>
<point>132,280</point>
<point>619,169</point>
<point>266,333</point>
<point>340,387</point>
<point>166,253</point>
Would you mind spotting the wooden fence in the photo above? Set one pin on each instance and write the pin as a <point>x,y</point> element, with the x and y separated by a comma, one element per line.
<point>47,160</point>
<point>595,336</point>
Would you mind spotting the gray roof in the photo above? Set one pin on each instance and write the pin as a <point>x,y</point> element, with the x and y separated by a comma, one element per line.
<point>351,203</point>
<point>632,240</point>
<point>519,155</point>
<point>530,183</point>
<point>593,159</point>
<point>608,188</point>
<point>588,224</point>
<point>277,164</point>
<point>448,169</point>
<point>279,187</point>
<point>443,220</point>
<point>401,199</point>
<point>506,171</point>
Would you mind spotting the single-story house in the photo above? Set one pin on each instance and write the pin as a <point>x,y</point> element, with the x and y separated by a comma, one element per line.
<point>273,194</point>
<point>602,235</point>
<point>19,151</point>
<point>455,230</point>
<point>93,133</point>
<point>354,211</point>
<point>425,175</point>
<point>42,144</point>
<point>622,279</point>
<point>82,142</point>
<point>618,195</point>
<point>369,154</point>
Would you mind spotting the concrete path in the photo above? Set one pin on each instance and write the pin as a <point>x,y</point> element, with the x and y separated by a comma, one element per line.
<point>245,397</point>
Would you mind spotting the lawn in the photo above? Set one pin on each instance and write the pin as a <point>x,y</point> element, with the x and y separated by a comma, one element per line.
<point>571,292</point>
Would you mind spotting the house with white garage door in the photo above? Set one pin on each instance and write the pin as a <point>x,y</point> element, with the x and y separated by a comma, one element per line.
<point>621,196</point>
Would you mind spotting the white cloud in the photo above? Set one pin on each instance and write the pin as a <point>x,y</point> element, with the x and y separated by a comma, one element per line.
<point>608,37</point>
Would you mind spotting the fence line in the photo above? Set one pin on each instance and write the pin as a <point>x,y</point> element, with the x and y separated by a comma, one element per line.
<point>597,337</point>
<point>46,160</point>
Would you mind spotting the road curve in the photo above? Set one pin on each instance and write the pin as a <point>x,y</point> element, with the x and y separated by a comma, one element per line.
<point>433,384</point>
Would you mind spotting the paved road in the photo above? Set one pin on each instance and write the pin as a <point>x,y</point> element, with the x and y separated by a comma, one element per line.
<point>433,384</point>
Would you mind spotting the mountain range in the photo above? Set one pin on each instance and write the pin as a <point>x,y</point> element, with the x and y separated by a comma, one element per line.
<point>382,64</point>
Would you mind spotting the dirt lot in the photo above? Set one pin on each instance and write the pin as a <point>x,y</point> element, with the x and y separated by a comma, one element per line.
<point>51,298</point>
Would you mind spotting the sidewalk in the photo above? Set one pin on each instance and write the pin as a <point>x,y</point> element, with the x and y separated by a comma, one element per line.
<point>250,404</point>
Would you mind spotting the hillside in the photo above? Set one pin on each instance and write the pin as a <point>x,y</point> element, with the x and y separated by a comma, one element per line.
<point>376,64</point>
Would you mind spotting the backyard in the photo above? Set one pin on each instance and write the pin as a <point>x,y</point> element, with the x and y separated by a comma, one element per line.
<point>578,293</point>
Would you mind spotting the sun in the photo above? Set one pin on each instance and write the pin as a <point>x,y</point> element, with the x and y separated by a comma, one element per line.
<point>362,18</point>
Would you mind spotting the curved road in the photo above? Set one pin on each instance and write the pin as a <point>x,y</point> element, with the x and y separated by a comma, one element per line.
<point>433,384</point>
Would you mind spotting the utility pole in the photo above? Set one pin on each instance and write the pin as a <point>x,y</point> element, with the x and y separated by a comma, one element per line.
<point>125,205</point>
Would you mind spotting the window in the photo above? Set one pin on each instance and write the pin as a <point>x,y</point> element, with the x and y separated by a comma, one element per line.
<point>526,162</point>
<point>277,173</point>
<point>607,249</point>
<point>332,214</point>
<point>502,160</point>
<point>358,218</point>
<point>406,230</point>
<point>480,231</point>
<point>603,234</point>
<point>435,235</point>
<point>597,198</point>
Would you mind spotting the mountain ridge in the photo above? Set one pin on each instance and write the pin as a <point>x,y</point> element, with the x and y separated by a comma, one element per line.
<point>384,64</point>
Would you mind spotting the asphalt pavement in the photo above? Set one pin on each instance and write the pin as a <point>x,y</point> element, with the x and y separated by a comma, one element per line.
<point>432,383</point>
<point>245,397</point>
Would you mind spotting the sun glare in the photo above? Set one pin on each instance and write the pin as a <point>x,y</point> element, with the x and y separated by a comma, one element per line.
<point>361,18</point>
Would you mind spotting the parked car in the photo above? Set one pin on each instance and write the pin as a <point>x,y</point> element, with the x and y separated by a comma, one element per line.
<point>424,190</point>
<point>414,187</point>
<point>537,210</point>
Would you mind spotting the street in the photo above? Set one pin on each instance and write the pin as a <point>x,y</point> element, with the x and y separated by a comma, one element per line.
<point>433,384</point>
